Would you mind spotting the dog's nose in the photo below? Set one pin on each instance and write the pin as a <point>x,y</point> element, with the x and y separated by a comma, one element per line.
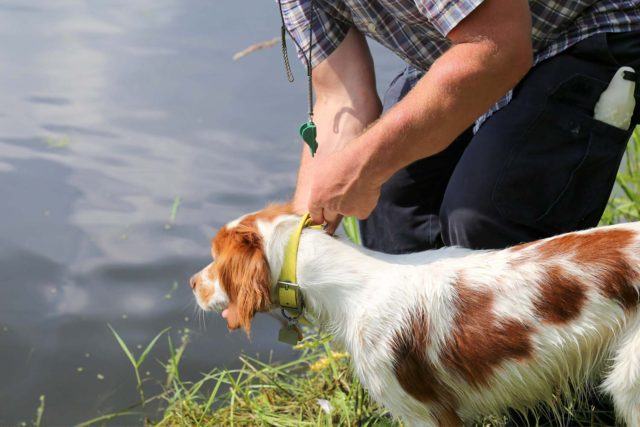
<point>194,281</point>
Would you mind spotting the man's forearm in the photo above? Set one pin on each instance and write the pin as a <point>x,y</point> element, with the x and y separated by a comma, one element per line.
<point>491,52</point>
<point>458,88</point>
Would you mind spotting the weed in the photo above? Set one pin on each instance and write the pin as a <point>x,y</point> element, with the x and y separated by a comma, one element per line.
<point>136,363</point>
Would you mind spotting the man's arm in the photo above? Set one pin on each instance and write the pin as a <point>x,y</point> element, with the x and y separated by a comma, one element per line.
<point>491,52</point>
<point>346,103</point>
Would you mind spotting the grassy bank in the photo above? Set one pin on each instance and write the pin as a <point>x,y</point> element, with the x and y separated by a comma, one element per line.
<point>317,388</point>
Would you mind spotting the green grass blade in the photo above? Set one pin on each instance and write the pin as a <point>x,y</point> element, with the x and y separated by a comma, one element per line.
<point>212,396</point>
<point>150,346</point>
<point>124,347</point>
<point>352,229</point>
<point>40,412</point>
<point>629,192</point>
<point>106,417</point>
<point>174,208</point>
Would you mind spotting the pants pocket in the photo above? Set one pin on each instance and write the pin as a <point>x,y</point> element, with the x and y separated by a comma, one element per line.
<point>559,175</point>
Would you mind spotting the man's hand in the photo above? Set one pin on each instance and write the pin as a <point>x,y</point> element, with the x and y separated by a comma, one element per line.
<point>340,187</point>
<point>346,103</point>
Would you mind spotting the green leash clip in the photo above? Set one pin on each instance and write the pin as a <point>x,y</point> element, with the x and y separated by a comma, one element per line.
<point>308,133</point>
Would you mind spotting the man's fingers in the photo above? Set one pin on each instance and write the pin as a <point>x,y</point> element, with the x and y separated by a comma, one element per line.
<point>332,219</point>
<point>316,214</point>
<point>332,226</point>
<point>330,216</point>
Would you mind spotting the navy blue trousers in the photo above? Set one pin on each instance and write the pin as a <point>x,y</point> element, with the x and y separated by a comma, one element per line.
<point>538,167</point>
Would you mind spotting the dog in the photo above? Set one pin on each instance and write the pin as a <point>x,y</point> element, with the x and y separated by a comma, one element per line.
<point>444,336</point>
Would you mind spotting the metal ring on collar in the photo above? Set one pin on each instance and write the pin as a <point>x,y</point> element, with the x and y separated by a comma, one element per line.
<point>289,318</point>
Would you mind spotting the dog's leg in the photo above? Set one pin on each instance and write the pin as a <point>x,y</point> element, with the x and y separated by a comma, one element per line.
<point>623,382</point>
<point>436,417</point>
<point>449,418</point>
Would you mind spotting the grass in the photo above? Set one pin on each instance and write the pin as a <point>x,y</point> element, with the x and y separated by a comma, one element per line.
<point>624,205</point>
<point>318,388</point>
<point>352,229</point>
<point>39,412</point>
<point>315,389</point>
<point>177,200</point>
<point>137,362</point>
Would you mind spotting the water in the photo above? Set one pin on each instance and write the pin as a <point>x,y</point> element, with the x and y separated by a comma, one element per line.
<point>110,111</point>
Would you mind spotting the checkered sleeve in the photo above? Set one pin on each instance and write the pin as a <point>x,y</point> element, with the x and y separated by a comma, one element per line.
<point>327,32</point>
<point>446,14</point>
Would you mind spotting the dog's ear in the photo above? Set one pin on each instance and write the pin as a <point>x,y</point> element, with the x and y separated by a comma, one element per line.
<point>244,274</point>
<point>253,278</point>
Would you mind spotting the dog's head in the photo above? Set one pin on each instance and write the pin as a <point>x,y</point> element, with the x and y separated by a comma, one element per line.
<point>238,282</point>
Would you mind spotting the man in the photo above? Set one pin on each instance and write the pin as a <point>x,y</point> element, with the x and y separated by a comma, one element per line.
<point>527,74</point>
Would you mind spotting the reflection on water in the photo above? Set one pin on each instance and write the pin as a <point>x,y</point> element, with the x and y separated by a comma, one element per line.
<point>112,110</point>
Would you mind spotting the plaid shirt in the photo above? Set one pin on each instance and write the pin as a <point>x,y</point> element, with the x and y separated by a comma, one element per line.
<point>416,30</point>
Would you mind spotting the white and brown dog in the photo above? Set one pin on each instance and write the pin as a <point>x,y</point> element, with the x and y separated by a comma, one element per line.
<point>448,335</point>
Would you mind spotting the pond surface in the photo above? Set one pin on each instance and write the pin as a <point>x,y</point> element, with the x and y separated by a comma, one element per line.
<point>113,115</point>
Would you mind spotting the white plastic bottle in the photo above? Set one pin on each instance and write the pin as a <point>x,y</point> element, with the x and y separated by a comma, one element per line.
<point>616,104</point>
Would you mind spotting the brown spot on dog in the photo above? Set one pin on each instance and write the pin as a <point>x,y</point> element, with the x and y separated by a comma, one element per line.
<point>206,292</point>
<point>618,281</point>
<point>416,374</point>
<point>243,271</point>
<point>602,253</point>
<point>480,341</point>
<point>242,267</point>
<point>412,367</point>
<point>562,297</point>
<point>587,246</point>
<point>269,213</point>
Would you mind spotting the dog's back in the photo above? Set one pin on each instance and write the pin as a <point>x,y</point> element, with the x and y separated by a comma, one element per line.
<point>510,328</point>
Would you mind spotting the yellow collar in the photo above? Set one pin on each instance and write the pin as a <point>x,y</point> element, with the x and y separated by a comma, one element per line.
<point>289,294</point>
